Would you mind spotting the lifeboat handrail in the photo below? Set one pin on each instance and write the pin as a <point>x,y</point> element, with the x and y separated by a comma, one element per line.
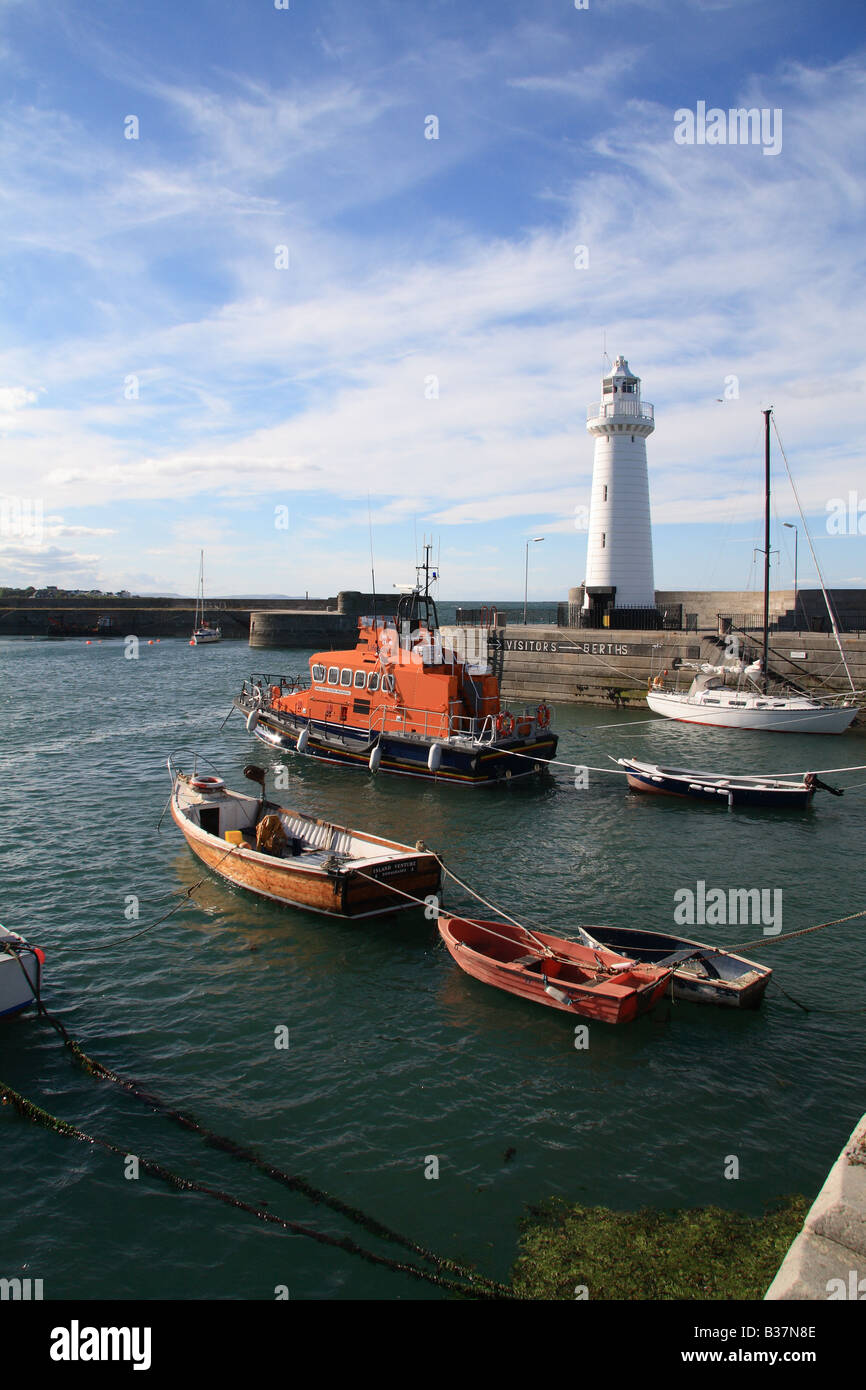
<point>483,730</point>
<point>432,723</point>
<point>393,719</point>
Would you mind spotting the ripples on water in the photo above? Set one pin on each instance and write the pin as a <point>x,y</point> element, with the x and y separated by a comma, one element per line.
<point>395,1054</point>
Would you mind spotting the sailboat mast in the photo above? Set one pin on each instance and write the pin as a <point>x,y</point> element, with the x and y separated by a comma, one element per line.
<point>767,414</point>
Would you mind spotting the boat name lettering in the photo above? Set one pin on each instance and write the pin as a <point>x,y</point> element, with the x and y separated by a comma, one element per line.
<point>402,866</point>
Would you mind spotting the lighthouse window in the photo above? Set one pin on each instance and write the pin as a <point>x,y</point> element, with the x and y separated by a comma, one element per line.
<point>333,675</point>
<point>318,673</point>
<point>632,439</point>
<point>604,498</point>
<point>360,680</point>
<point>603,540</point>
<point>345,676</point>
<point>373,681</point>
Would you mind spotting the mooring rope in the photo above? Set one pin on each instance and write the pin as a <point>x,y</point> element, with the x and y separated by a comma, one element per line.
<point>295,1183</point>
<point>613,772</point>
<point>543,949</point>
<point>493,908</point>
<point>28,1110</point>
<point>804,931</point>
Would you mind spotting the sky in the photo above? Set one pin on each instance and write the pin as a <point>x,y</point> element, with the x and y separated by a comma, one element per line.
<point>282,278</point>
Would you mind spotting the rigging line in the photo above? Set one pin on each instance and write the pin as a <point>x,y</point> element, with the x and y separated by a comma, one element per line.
<point>28,1110</point>
<point>830,609</point>
<point>789,935</point>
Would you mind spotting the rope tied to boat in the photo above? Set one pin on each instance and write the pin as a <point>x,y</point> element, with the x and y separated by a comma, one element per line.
<point>790,935</point>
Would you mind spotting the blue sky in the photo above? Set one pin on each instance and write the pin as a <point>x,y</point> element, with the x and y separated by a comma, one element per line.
<point>165,385</point>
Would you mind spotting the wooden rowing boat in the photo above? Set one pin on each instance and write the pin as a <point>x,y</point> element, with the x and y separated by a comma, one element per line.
<point>296,858</point>
<point>702,974</point>
<point>591,982</point>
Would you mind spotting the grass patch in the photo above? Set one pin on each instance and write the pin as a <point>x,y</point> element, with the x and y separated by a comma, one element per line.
<point>698,1253</point>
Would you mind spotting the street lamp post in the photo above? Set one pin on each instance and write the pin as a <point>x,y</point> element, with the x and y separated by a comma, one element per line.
<point>534,541</point>
<point>791,527</point>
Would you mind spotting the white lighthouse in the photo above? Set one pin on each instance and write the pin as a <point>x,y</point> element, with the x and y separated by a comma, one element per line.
<point>619,556</point>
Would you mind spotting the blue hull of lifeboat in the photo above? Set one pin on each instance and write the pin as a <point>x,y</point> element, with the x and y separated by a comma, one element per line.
<point>347,747</point>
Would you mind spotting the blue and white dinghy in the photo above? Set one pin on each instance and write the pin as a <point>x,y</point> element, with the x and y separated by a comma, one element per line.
<point>702,974</point>
<point>20,972</point>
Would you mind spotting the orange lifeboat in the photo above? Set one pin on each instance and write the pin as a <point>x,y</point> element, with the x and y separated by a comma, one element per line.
<point>401,701</point>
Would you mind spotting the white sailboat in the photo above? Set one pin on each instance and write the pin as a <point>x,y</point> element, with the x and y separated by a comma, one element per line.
<point>711,700</point>
<point>203,634</point>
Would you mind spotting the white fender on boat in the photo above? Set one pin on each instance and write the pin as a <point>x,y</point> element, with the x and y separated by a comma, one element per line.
<point>252,720</point>
<point>303,739</point>
<point>434,757</point>
<point>375,757</point>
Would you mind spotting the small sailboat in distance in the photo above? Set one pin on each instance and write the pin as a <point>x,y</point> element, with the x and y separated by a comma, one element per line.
<point>203,634</point>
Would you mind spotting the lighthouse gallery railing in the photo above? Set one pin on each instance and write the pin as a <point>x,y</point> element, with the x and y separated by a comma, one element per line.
<point>622,406</point>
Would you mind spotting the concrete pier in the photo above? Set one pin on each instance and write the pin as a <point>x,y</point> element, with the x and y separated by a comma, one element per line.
<point>281,622</point>
<point>323,630</point>
<point>828,1258</point>
<point>603,667</point>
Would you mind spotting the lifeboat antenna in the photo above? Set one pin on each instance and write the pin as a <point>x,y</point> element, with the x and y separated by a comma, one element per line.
<point>372,569</point>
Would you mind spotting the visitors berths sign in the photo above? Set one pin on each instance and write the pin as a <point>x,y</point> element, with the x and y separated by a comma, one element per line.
<point>542,645</point>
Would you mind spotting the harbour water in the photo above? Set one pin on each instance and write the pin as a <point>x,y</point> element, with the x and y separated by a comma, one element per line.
<point>395,1056</point>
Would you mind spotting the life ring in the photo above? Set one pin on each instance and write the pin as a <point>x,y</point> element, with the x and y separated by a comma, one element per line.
<point>206,784</point>
<point>505,723</point>
<point>543,716</point>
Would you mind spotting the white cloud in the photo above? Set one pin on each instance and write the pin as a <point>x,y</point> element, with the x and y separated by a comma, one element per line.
<point>704,262</point>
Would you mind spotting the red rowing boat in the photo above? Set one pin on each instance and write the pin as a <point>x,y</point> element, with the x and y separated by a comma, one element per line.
<point>596,984</point>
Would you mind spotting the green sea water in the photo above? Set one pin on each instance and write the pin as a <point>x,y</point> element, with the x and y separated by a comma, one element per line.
<point>395,1056</point>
